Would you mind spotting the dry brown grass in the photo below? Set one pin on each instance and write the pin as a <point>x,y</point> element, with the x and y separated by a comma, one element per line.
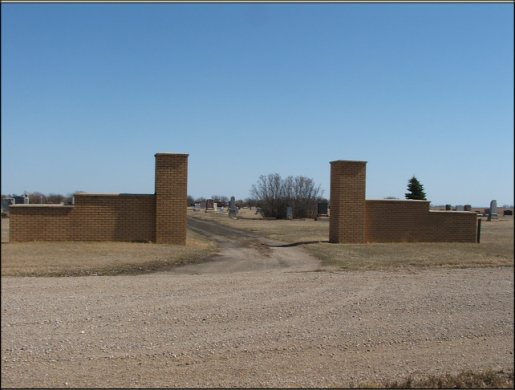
<point>495,249</point>
<point>293,231</point>
<point>111,258</point>
<point>489,379</point>
<point>97,258</point>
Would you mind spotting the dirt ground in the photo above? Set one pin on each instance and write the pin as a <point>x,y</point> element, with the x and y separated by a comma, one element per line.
<point>259,314</point>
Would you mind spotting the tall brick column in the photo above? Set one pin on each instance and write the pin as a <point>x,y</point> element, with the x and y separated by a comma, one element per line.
<point>171,198</point>
<point>347,218</point>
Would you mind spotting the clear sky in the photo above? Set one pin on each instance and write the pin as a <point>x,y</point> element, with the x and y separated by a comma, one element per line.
<point>90,92</point>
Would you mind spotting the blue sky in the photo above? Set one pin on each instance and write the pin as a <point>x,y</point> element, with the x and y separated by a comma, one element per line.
<point>90,92</point>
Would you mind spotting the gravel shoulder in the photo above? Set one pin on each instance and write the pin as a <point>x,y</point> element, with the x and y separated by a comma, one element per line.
<point>259,314</point>
<point>271,328</point>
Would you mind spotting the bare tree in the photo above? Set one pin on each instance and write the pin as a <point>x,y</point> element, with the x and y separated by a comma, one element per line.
<point>275,194</point>
<point>36,198</point>
<point>190,201</point>
<point>305,195</point>
<point>250,202</point>
<point>55,198</point>
<point>269,193</point>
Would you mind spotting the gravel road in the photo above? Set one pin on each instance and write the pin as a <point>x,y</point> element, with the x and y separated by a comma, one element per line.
<point>264,327</point>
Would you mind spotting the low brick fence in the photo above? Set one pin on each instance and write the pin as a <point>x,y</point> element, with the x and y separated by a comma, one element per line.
<point>354,219</point>
<point>412,221</point>
<point>158,218</point>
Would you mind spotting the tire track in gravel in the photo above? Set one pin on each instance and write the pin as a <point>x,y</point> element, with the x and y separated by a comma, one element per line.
<point>242,251</point>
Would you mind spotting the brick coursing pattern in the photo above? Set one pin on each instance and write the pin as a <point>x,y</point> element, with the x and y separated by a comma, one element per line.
<point>120,217</point>
<point>412,221</point>
<point>356,220</point>
<point>113,217</point>
<point>171,198</point>
<point>347,218</point>
<point>161,218</point>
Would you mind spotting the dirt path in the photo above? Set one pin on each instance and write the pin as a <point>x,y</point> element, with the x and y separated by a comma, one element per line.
<point>241,251</point>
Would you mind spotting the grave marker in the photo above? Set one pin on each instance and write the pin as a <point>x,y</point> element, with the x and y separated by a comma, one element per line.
<point>233,210</point>
<point>492,212</point>
<point>322,208</point>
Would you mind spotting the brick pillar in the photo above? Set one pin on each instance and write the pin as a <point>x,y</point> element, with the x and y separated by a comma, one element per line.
<point>171,198</point>
<point>347,218</point>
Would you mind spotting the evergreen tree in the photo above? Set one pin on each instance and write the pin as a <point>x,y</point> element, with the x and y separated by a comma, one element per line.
<point>416,190</point>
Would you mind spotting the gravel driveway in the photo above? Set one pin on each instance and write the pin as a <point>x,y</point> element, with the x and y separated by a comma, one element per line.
<point>268,327</point>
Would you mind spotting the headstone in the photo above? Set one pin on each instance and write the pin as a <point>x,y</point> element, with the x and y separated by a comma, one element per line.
<point>508,212</point>
<point>448,207</point>
<point>492,213</point>
<point>289,212</point>
<point>209,204</point>
<point>322,208</point>
<point>460,208</point>
<point>467,207</point>
<point>233,210</point>
<point>215,206</point>
<point>197,207</point>
<point>6,202</point>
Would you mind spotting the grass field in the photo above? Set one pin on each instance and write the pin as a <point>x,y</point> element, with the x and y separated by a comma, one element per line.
<point>112,258</point>
<point>489,379</point>
<point>495,249</point>
<point>97,258</point>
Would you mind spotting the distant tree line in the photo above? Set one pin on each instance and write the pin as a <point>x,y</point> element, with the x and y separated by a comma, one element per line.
<point>41,198</point>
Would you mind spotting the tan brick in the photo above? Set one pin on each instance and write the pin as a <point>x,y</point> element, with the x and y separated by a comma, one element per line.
<point>113,217</point>
<point>347,217</point>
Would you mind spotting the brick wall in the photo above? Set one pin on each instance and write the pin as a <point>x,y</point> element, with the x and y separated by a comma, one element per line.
<point>347,218</point>
<point>356,220</point>
<point>171,198</point>
<point>448,226</point>
<point>411,221</point>
<point>40,223</point>
<point>122,217</point>
<point>114,217</point>
<point>95,217</point>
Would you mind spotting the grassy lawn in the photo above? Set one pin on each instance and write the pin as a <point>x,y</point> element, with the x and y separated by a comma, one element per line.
<point>495,249</point>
